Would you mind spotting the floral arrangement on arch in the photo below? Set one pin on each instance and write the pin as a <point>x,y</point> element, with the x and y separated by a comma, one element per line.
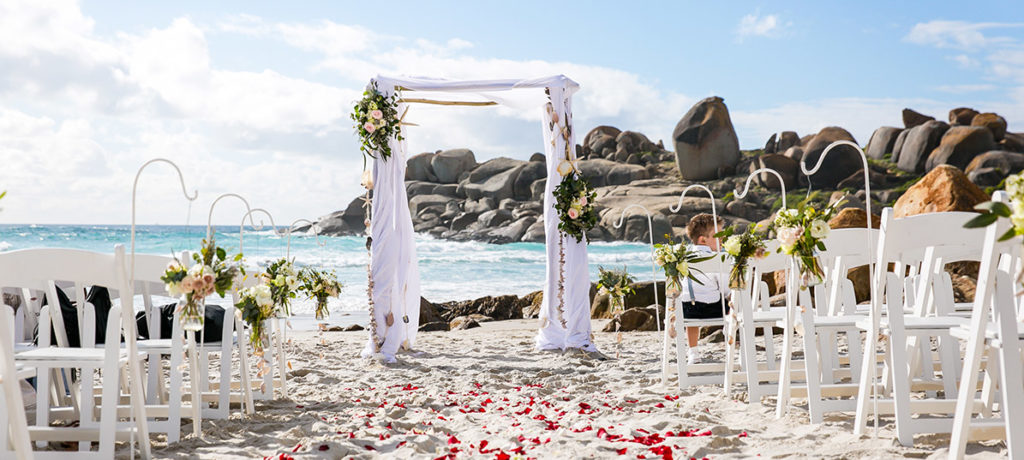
<point>319,285</point>
<point>211,272</point>
<point>574,202</point>
<point>801,233</point>
<point>675,259</point>
<point>615,284</point>
<point>741,247</point>
<point>377,122</point>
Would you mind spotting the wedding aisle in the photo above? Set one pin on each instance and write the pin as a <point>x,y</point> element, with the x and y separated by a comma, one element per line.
<point>484,393</point>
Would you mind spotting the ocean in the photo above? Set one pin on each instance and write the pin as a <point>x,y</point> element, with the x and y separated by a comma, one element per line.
<point>448,270</point>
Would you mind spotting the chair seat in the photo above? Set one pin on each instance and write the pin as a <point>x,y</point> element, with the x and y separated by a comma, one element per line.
<point>704,322</point>
<point>771,316</point>
<point>66,355</point>
<point>963,332</point>
<point>164,345</point>
<point>838,321</point>
<point>917,323</point>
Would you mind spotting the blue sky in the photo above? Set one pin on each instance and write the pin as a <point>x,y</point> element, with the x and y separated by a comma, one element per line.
<point>252,97</point>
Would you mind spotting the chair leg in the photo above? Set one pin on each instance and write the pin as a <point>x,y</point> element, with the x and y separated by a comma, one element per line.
<point>42,401</point>
<point>949,354</point>
<point>108,412</point>
<point>988,387</point>
<point>813,377</point>
<point>785,371</point>
<point>854,351</point>
<point>243,367</point>
<point>681,347</point>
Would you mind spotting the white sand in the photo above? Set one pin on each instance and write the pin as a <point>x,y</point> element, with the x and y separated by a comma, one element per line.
<point>488,385</point>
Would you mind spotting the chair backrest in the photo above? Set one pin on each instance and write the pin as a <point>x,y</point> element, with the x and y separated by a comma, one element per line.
<point>910,243</point>
<point>42,269</point>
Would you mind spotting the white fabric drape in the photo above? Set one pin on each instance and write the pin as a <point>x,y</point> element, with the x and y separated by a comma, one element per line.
<point>393,264</point>
<point>396,283</point>
<point>576,310</point>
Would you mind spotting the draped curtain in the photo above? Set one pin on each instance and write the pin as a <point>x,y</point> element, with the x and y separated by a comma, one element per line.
<point>393,267</point>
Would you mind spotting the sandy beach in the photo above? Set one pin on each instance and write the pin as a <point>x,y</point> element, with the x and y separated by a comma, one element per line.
<point>484,393</point>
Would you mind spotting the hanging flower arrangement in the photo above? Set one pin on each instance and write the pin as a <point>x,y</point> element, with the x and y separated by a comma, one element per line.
<point>741,247</point>
<point>257,305</point>
<point>211,272</point>
<point>801,234</point>
<point>675,259</point>
<point>615,284</point>
<point>319,285</point>
<point>377,122</point>
<point>283,280</point>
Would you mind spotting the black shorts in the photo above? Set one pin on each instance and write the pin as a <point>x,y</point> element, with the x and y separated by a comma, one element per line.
<point>701,310</point>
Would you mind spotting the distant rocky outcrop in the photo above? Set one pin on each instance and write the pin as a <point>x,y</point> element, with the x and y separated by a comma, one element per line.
<point>840,163</point>
<point>945,188</point>
<point>706,144</point>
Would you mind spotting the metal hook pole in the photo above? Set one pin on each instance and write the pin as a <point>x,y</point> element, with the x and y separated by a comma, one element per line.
<point>746,186</point>
<point>135,186</point>
<point>654,268</point>
<point>876,303</point>
<point>241,227</point>
<point>288,251</point>
<point>209,217</point>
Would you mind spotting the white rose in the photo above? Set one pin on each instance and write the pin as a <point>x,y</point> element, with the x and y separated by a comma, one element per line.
<point>732,245</point>
<point>173,289</point>
<point>292,282</point>
<point>683,268</point>
<point>819,229</point>
<point>670,257</point>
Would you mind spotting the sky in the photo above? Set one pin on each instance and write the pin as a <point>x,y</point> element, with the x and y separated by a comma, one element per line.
<point>253,98</point>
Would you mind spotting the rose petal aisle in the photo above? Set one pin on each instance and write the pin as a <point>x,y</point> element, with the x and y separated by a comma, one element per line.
<point>483,393</point>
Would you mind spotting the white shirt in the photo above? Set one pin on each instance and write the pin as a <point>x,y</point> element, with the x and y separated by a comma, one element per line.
<point>710,289</point>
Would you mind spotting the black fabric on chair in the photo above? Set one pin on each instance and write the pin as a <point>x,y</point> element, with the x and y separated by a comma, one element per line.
<point>70,314</point>
<point>213,323</point>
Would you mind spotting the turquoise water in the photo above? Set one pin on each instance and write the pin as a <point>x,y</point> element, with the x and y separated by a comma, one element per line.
<point>449,270</point>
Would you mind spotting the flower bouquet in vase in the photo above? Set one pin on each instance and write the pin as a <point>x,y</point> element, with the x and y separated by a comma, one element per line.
<point>675,259</point>
<point>741,247</point>
<point>615,284</point>
<point>211,272</point>
<point>257,305</point>
<point>801,233</point>
<point>319,285</point>
<point>283,280</point>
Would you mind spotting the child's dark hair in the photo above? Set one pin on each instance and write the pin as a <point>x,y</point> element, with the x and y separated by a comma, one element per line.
<point>702,224</point>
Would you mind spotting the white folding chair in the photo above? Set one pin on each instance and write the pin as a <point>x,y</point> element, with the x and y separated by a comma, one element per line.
<point>914,245</point>
<point>994,331</point>
<point>752,311</point>
<point>833,312</point>
<point>13,422</point>
<point>701,373</point>
<point>37,269</point>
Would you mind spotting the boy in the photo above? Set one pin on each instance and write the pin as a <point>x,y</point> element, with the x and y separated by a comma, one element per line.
<point>701,300</point>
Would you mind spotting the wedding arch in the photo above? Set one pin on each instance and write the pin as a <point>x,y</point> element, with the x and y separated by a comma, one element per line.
<point>393,275</point>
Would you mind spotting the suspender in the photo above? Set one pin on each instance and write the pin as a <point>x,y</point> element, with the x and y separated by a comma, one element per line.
<point>689,287</point>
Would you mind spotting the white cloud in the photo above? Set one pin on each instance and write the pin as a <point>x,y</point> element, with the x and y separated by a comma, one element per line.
<point>957,34</point>
<point>756,25</point>
<point>964,61</point>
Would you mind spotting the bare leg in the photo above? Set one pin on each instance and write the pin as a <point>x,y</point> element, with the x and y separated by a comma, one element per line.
<point>692,334</point>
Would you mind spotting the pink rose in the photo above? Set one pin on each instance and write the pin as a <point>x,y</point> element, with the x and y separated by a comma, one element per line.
<point>573,213</point>
<point>377,114</point>
<point>208,279</point>
<point>789,235</point>
<point>583,200</point>
<point>369,127</point>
